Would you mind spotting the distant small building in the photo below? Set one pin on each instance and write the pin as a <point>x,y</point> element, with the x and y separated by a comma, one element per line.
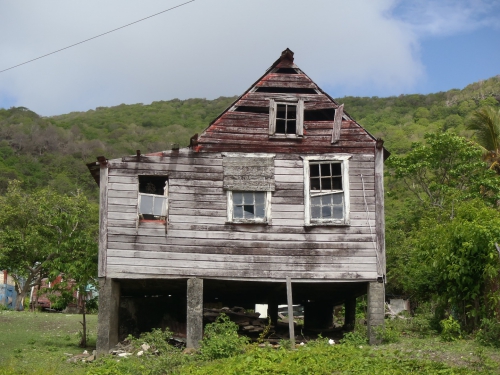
<point>282,184</point>
<point>7,291</point>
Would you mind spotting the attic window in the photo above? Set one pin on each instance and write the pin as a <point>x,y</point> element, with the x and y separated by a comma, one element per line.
<point>286,90</point>
<point>286,118</point>
<point>153,198</point>
<point>287,71</point>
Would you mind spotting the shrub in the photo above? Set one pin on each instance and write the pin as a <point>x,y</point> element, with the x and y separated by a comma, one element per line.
<point>354,338</point>
<point>221,339</point>
<point>489,333</point>
<point>157,339</point>
<point>450,329</point>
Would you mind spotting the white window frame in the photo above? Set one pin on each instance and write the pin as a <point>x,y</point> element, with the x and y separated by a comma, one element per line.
<point>164,216</point>
<point>334,158</point>
<point>264,220</point>
<point>299,125</point>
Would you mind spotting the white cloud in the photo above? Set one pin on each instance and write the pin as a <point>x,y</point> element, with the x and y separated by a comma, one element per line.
<point>448,17</point>
<point>207,48</point>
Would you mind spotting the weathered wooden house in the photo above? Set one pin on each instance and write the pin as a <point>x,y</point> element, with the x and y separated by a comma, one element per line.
<point>283,183</point>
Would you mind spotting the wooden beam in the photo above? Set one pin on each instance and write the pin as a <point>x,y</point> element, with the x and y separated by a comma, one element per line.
<point>379,205</point>
<point>103,220</point>
<point>337,123</point>
<point>291,328</point>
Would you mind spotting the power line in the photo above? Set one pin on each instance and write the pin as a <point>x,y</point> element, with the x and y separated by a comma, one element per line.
<point>97,36</point>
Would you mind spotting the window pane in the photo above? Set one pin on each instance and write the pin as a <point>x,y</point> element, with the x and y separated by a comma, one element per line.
<point>325,170</point>
<point>260,211</point>
<point>337,183</point>
<point>326,200</point>
<point>280,126</point>
<point>326,212</point>
<point>238,212</point>
<point>314,170</point>
<point>146,204</point>
<point>281,111</point>
<point>159,204</point>
<point>315,184</point>
<point>260,197</point>
<point>316,201</point>
<point>249,211</point>
<point>291,127</point>
<point>338,212</point>
<point>326,183</point>
<point>336,169</point>
<point>237,198</point>
<point>291,112</point>
<point>248,198</point>
<point>315,212</point>
<point>337,198</point>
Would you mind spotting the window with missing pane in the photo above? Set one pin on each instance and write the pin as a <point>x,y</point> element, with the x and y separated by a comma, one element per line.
<point>327,196</point>
<point>327,190</point>
<point>248,206</point>
<point>153,198</point>
<point>286,119</point>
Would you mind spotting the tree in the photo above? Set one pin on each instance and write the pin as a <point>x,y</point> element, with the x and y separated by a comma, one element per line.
<point>486,124</point>
<point>37,229</point>
<point>445,169</point>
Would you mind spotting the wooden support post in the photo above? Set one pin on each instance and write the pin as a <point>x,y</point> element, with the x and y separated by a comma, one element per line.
<point>194,323</point>
<point>291,327</point>
<point>109,306</point>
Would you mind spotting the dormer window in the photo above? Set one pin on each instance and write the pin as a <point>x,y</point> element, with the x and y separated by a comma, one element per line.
<point>286,118</point>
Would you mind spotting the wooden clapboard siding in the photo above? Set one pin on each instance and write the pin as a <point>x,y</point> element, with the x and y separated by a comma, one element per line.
<point>200,243</point>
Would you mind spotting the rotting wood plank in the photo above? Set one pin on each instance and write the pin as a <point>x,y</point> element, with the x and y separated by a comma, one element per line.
<point>126,272</point>
<point>284,248</point>
<point>103,221</point>
<point>232,265</point>
<point>246,259</point>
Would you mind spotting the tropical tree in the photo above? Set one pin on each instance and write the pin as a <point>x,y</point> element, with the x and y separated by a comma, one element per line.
<point>37,229</point>
<point>486,124</point>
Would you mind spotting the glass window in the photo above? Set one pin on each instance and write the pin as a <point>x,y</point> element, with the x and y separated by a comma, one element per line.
<point>326,196</point>
<point>248,206</point>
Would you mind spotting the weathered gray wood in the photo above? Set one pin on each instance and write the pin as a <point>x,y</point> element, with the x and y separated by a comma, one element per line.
<point>289,300</point>
<point>362,257</point>
<point>194,321</point>
<point>249,268</point>
<point>248,173</point>
<point>379,206</point>
<point>337,123</point>
<point>130,272</point>
<point>103,220</point>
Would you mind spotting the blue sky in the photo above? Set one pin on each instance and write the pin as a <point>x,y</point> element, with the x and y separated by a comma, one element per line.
<point>212,48</point>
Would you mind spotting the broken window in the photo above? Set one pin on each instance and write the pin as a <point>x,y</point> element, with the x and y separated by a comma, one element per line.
<point>327,191</point>
<point>153,198</point>
<point>286,118</point>
<point>248,206</point>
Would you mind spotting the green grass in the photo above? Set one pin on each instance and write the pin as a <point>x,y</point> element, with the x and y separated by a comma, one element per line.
<point>37,342</point>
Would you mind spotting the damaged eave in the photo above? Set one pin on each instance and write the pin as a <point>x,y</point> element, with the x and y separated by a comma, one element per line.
<point>95,168</point>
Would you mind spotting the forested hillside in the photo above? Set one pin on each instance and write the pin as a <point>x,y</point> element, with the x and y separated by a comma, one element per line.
<point>442,188</point>
<point>52,151</point>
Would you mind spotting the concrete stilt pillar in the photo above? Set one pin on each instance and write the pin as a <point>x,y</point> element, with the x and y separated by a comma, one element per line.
<point>109,305</point>
<point>194,322</point>
<point>376,310</point>
<point>350,313</point>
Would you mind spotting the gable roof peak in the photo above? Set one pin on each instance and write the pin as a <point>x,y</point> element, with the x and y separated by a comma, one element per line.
<point>286,55</point>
